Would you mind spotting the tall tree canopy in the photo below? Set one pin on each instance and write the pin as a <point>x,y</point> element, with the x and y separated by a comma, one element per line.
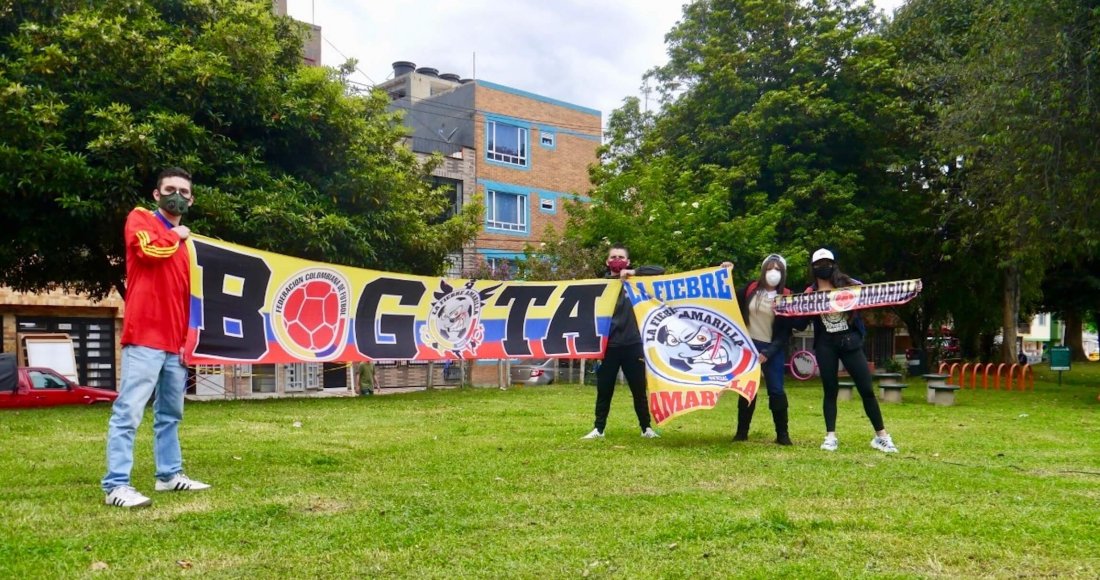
<point>1009,86</point>
<point>96,97</point>
<point>780,122</point>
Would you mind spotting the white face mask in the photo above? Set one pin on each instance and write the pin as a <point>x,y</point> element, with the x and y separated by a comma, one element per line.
<point>772,277</point>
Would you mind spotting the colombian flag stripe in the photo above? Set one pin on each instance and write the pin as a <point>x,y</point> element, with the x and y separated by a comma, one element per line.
<point>152,251</point>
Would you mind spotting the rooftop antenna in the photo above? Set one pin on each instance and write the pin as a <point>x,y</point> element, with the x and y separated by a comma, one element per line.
<point>474,76</point>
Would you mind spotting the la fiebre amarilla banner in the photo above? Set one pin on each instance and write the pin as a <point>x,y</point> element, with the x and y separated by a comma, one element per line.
<point>249,306</point>
<point>695,342</point>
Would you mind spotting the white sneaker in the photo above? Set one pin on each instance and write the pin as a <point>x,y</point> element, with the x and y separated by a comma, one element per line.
<point>649,433</point>
<point>181,482</point>
<point>127,497</point>
<point>884,444</point>
<point>594,434</point>
<point>830,444</point>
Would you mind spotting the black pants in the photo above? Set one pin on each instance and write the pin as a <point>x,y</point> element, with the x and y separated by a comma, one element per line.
<point>829,354</point>
<point>631,360</point>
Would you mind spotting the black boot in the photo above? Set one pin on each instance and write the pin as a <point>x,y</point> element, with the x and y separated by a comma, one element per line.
<point>744,418</point>
<point>778,406</point>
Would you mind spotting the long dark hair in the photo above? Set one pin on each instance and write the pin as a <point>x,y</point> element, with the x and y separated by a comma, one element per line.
<point>762,284</point>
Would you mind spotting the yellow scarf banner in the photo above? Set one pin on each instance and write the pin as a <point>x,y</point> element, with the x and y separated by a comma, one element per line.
<point>696,345</point>
<point>249,306</point>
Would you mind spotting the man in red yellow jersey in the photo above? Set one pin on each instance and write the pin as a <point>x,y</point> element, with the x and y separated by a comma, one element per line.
<point>158,297</point>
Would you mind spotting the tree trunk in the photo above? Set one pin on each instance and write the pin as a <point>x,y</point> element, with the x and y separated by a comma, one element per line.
<point>917,326</point>
<point>1073,335</point>
<point>1010,314</point>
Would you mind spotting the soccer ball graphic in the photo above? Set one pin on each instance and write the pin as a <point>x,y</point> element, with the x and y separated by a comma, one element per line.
<point>311,316</point>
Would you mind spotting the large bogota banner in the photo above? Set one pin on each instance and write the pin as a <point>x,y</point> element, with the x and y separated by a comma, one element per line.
<point>696,346</point>
<point>249,306</point>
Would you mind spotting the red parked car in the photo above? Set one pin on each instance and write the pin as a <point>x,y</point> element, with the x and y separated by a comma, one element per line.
<point>22,387</point>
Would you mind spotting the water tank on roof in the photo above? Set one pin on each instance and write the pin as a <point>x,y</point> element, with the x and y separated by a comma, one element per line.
<point>403,67</point>
<point>428,71</point>
<point>450,77</point>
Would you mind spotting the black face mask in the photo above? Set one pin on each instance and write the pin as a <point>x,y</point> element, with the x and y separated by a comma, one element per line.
<point>823,272</point>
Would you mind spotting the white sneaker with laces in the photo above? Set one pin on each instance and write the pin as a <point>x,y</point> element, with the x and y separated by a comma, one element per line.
<point>180,482</point>
<point>830,444</point>
<point>649,433</point>
<point>884,444</point>
<point>594,434</point>
<point>127,497</point>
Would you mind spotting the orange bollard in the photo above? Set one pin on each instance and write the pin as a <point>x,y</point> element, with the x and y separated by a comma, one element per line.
<point>962,375</point>
<point>1012,374</point>
<point>974,376</point>
<point>939,371</point>
<point>997,377</point>
<point>951,373</point>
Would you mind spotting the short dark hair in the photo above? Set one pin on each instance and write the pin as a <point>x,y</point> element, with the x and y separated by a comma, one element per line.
<point>620,247</point>
<point>172,172</point>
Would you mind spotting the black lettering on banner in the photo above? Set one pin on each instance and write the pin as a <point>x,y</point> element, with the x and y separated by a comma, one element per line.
<point>519,299</point>
<point>581,327</point>
<point>868,295</point>
<point>232,326</point>
<point>400,326</point>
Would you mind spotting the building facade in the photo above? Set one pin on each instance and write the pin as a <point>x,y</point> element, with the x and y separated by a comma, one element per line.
<point>93,325</point>
<point>524,154</point>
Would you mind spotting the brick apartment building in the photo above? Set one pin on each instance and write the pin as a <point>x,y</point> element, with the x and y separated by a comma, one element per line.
<point>524,153</point>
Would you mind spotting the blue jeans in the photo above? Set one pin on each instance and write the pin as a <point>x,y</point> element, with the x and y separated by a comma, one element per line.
<point>772,371</point>
<point>145,371</point>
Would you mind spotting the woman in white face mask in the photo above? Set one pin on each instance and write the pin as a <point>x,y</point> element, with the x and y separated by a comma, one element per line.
<point>770,334</point>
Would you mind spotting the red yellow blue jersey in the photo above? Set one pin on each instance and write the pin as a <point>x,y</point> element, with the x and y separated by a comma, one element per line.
<point>158,283</point>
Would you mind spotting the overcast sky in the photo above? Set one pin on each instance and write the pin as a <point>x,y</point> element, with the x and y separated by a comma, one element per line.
<point>587,52</point>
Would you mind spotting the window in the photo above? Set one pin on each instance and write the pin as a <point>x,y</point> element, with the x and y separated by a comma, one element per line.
<point>505,211</point>
<point>547,205</point>
<point>503,268</point>
<point>506,143</point>
<point>40,380</point>
<point>453,190</point>
<point>546,139</point>
<point>93,345</point>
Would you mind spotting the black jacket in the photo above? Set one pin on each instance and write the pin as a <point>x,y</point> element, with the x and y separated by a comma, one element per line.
<point>781,326</point>
<point>624,326</point>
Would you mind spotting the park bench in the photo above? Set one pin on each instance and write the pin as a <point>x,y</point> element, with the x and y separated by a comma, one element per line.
<point>889,387</point>
<point>944,395</point>
<point>933,380</point>
<point>844,390</point>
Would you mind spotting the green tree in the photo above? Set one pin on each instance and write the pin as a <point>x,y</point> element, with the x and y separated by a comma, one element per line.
<point>96,97</point>
<point>1072,291</point>
<point>1023,121</point>
<point>780,122</point>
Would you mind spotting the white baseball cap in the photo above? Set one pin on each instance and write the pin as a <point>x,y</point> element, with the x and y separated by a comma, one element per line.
<point>823,254</point>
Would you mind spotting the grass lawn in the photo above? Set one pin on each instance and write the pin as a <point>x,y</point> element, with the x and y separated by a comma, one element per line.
<point>485,483</point>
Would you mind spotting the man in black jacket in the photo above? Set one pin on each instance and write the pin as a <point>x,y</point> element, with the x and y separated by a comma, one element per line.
<point>624,350</point>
